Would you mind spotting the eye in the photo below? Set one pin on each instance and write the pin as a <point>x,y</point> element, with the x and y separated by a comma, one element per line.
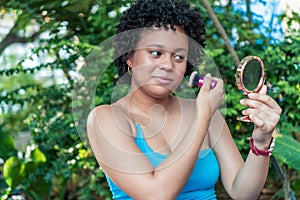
<point>155,53</point>
<point>179,58</point>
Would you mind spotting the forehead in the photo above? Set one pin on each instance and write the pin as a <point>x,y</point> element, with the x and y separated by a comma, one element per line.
<point>169,39</point>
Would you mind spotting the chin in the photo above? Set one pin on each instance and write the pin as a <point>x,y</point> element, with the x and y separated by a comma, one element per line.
<point>159,92</point>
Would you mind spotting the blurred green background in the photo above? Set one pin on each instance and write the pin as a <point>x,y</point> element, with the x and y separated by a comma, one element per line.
<point>43,45</point>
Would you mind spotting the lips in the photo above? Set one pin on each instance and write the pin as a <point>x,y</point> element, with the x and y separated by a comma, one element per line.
<point>162,79</point>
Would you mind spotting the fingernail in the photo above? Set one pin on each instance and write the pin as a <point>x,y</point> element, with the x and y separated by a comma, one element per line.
<point>242,100</point>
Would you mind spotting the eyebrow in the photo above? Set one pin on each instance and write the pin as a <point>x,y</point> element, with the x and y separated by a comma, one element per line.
<point>163,47</point>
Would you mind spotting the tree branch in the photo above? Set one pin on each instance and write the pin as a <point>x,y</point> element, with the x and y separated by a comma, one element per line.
<point>221,31</point>
<point>248,10</point>
<point>13,37</point>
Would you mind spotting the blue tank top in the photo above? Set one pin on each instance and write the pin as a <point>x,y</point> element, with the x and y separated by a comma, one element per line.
<point>200,185</point>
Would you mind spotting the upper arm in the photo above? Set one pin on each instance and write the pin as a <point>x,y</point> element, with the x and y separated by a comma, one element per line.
<point>229,157</point>
<point>111,138</point>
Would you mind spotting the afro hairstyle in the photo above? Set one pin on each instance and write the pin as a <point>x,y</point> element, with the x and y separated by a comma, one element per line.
<point>158,13</point>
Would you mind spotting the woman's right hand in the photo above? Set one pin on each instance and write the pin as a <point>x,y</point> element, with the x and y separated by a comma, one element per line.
<point>208,98</point>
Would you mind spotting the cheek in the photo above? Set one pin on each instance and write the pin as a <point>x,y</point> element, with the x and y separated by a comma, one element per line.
<point>142,65</point>
<point>180,72</point>
<point>142,73</point>
<point>181,69</point>
<point>179,78</point>
<point>144,68</point>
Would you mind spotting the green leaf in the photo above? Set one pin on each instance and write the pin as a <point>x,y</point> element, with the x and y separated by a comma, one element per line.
<point>13,172</point>
<point>39,189</point>
<point>6,145</point>
<point>38,156</point>
<point>287,150</point>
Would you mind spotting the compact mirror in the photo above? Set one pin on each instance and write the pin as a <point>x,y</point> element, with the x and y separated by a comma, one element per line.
<point>250,77</point>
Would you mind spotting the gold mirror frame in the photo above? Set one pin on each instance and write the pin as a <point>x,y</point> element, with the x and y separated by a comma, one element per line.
<point>240,73</point>
<point>240,83</point>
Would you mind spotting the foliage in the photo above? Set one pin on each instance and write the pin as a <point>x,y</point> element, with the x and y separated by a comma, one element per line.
<point>73,29</point>
<point>288,151</point>
<point>56,161</point>
<point>281,60</point>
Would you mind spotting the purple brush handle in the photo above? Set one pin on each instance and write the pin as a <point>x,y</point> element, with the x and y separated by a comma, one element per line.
<point>213,83</point>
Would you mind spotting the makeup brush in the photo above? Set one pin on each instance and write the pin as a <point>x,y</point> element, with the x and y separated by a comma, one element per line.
<point>197,80</point>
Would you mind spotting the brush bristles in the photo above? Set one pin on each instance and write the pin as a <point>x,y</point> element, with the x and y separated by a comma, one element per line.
<point>194,79</point>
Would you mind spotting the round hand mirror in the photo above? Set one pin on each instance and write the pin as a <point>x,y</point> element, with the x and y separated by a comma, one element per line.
<point>250,77</point>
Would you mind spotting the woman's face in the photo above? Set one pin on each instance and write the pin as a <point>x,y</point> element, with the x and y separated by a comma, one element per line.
<point>159,61</point>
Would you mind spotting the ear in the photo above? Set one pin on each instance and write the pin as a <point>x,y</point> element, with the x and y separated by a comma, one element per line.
<point>129,59</point>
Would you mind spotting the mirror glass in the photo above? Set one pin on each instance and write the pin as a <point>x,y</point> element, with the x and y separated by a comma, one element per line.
<point>250,77</point>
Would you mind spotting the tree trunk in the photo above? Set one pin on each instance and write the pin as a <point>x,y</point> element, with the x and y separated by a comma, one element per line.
<point>221,31</point>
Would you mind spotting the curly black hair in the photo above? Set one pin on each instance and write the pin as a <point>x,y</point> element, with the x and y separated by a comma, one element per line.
<point>158,13</point>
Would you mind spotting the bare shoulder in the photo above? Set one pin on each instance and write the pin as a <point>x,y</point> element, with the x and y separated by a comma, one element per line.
<point>98,112</point>
<point>111,137</point>
<point>108,117</point>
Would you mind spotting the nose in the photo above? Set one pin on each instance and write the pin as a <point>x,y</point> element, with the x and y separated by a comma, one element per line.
<point>166,63</point>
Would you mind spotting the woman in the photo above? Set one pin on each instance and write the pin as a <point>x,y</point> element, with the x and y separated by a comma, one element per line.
<point>154,145</point>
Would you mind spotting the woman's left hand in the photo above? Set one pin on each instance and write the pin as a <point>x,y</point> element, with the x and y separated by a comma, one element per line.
<point>264,112</point>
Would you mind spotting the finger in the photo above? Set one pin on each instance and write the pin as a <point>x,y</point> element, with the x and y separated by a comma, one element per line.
<point>257,121</point>
<point>256,99</point>
<point>257,105</point>
<point>271,118</point>
<point>219,84</point>
<point>268,120</point>
<point>261,124</point>
<point>207,81</point>
<point>263,90</point>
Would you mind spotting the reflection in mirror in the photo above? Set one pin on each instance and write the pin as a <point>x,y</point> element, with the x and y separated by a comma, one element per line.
<point>252,74</point>
<point>250,77</point>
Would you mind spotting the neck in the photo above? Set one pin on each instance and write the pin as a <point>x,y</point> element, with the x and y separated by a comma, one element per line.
<point>144,108</point>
